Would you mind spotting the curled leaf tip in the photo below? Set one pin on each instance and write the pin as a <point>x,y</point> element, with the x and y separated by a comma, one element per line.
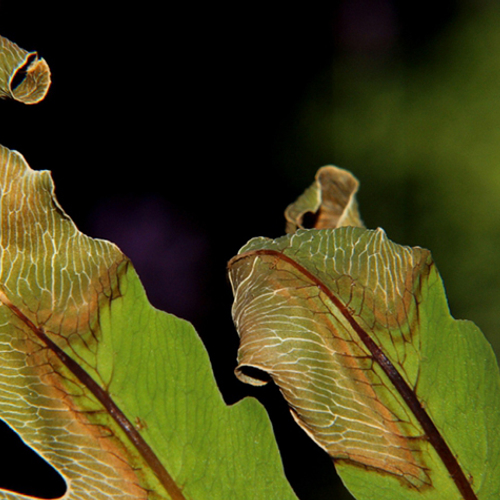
<point>24,76</point>
<point>327,204</point>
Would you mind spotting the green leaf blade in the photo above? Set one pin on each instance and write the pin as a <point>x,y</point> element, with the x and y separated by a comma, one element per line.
<point>302,305</point>
<point>182,400</point>
<point>110,391</point>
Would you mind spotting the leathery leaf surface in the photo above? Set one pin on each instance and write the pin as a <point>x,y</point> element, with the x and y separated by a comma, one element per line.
<point>356,332</point>
<point>118,396</point>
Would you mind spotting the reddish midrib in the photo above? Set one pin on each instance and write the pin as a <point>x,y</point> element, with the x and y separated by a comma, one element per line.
<point>103,397</point>
<point>433,434</point>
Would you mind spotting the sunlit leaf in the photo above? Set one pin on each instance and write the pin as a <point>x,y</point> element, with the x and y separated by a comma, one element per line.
<point>118,396</point>
<point>356,332</point>
<point>23,76</point>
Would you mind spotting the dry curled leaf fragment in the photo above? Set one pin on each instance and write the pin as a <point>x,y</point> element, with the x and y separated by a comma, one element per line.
<point>24,77</point>
<point>329,202</point>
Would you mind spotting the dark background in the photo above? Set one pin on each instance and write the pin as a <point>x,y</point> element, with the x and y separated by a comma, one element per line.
<point>180,132</point>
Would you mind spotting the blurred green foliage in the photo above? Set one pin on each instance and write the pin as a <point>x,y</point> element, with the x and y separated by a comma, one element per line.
<point>421,131</point>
